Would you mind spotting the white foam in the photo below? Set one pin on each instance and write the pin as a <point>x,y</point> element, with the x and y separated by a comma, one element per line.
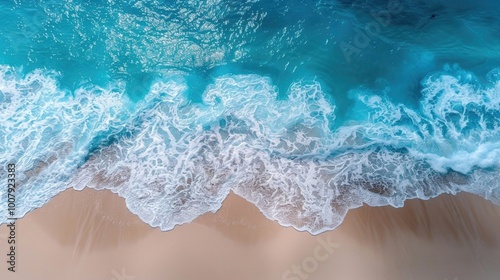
<point>47,132</point>
<point>457,126</point>
<point>179,160</point>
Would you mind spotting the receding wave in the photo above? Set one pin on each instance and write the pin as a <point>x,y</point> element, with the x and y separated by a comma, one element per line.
<point>173,159</point>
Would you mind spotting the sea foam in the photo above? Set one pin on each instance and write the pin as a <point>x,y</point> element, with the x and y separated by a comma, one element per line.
<point>173,160</point>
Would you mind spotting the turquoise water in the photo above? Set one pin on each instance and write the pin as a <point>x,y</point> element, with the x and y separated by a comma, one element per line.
<point>305,108</point>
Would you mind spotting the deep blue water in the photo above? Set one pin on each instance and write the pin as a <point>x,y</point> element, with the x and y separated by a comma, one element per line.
<point>305,108</point>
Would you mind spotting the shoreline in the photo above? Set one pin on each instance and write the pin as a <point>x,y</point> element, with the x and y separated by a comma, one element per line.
<point>91,235</point>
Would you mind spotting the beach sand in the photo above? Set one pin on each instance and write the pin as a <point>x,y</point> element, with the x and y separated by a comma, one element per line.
<point>91,235</point>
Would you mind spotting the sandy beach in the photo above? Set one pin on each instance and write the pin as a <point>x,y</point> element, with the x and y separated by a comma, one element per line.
<point>91,235</point>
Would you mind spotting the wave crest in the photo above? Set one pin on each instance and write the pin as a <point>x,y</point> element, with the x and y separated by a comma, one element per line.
<point>173,160</point>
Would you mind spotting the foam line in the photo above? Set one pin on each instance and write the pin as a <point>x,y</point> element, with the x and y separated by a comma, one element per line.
<point>173,160</point>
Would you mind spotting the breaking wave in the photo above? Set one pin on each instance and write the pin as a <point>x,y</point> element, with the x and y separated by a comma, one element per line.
<point>173,159</point>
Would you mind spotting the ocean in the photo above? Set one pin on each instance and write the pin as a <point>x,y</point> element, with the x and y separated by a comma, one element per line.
<point>304,108</point>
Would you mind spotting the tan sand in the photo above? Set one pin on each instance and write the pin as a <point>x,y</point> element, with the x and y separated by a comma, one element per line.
<point>91,235</point>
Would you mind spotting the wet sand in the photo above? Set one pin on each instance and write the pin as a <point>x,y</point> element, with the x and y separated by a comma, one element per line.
<point>91,235</point>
